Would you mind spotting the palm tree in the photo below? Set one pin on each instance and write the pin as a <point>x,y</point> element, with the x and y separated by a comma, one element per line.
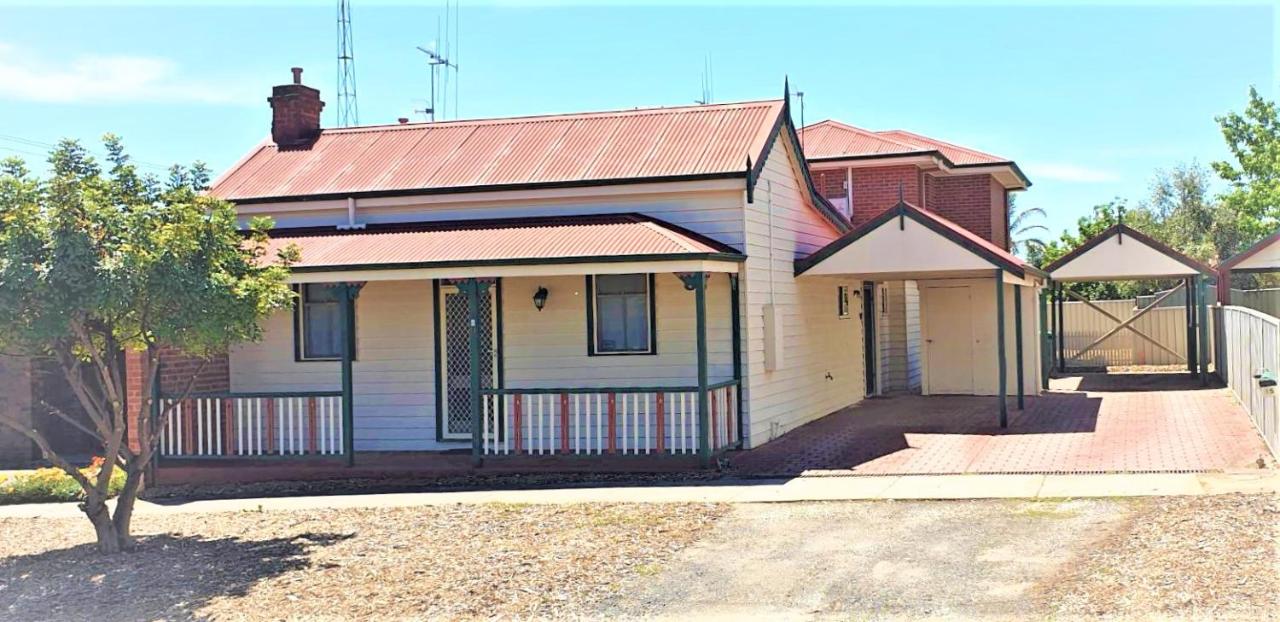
<point>1021,233</point>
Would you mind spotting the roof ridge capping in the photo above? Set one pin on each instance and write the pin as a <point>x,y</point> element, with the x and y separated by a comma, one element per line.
<point>533,118</point>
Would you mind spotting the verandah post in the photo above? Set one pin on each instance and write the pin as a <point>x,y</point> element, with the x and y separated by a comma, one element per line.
<point>697,282</point>
<point>1001,363</point>
<point>1017,339</point>
<point>735,327</point>
<point>347,293</point>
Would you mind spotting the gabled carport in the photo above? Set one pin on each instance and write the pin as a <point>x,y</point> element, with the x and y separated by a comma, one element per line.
<point>909,243</point>
<point>1122,253</point>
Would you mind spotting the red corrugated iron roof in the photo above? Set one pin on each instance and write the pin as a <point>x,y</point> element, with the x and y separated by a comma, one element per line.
<point>480,242</point>
<point>616,146</point>
<point>957,154</point>
<point>833,139</point>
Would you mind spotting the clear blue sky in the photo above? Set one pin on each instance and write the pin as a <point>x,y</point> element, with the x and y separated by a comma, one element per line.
<point>1089,99</point>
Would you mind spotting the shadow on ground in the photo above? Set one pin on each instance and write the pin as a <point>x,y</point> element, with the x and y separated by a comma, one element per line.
<point>179,573</point>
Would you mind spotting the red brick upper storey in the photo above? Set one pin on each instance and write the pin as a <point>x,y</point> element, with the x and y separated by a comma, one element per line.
<point>867,172</point>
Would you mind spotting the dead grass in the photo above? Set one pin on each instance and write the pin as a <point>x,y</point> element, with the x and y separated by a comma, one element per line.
<point>460,562</point>
<point>1179,557</point>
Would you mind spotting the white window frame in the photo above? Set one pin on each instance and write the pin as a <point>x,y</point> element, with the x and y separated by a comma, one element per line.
<point>650,309</point>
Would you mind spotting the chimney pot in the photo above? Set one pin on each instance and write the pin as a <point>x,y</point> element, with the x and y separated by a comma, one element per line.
<point>297,75</point>
<point>403,120</point>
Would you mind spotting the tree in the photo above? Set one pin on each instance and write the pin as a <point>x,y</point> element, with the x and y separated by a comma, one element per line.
<point>93,263</point>
<point>1254,140</point>
<point>1022,236</point>
<point>1189,219</point>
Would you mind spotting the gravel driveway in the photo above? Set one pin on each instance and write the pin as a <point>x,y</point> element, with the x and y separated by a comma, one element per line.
<point>974,559</point>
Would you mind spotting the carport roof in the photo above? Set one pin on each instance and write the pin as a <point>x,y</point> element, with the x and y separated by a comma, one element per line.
<point>1261,257</point>
<point>1106,257</point>
<point>908,242</point>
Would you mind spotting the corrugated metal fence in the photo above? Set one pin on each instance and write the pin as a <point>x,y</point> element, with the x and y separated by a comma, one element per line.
<point>1083,325</point>
<point>1252,344</point>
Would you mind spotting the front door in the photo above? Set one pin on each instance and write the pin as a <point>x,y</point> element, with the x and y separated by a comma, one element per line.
<point>455,357</point>
<point>948,318</point>
<point>869,354</point>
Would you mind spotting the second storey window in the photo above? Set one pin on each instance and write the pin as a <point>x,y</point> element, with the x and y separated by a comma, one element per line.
<point>318,324</point>
<point>621,314</point>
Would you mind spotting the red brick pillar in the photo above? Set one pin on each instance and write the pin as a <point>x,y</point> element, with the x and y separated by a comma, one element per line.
<point>134,366</point>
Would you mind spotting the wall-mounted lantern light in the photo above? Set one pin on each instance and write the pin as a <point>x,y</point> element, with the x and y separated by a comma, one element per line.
<point>540,298</point>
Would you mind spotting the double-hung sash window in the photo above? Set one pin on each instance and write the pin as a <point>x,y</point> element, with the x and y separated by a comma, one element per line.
<point>319,324</point>
<point>622,313</point>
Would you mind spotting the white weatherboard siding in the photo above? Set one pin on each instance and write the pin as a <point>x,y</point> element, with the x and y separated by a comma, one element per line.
<point>711,211</point>
<point>781,226</point>
<point>911,301</point>
<point>891,307</point>
<point>982,298</point>
<point>394,376</point>
<point>548,349</point>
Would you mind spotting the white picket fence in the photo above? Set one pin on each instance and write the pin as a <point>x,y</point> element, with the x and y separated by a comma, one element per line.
<point>1252,345</point>
<point>251,425</point>
<point>586,422</point>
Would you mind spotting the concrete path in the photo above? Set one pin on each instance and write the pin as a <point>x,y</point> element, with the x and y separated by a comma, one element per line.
<point>830,488</point>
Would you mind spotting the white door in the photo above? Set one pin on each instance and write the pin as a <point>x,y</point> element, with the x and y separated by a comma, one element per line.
<point>948,328</point>
<point>455,357</point>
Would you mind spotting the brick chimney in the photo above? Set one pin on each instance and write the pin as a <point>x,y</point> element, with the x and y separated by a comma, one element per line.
<point>295,113</point>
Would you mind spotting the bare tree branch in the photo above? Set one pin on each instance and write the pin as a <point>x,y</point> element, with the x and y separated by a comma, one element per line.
<point>47,451</point>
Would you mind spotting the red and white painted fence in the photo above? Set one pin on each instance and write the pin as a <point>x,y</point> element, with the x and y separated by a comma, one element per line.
<point>248,425</point>
<point>606,421</point>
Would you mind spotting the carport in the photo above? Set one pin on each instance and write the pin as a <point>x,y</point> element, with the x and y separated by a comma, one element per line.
<point>965,281</point>
<point>1122,253</point>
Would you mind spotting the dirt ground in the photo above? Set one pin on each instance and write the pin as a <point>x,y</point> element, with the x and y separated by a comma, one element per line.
<point>1189,557</point>
<point>459,562</point>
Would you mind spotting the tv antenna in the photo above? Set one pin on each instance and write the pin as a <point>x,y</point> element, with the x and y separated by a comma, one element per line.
<point>708,82</point>
<point>441,55</point>
<point>348,112</point>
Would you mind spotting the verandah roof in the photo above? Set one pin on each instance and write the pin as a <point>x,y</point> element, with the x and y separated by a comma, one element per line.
<point>482,246</point>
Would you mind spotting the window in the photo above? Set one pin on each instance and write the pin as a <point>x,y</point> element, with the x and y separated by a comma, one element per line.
<point>620,314</point>
<point>842,302</point>
<point>317,324</point>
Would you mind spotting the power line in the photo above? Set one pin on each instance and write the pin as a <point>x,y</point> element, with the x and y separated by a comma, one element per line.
<point>46,147</point>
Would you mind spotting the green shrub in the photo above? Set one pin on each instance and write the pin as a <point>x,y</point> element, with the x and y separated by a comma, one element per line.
<point>49,485</point>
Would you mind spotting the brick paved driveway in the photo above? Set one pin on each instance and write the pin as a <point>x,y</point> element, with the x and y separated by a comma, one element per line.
<point>1088,423</point>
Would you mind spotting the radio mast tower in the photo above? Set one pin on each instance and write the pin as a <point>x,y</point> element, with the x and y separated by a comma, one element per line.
<point>348,111</point>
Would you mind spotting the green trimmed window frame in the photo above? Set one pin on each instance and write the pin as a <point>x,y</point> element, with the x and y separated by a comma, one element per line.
<point>593,318</point>
<point>301,306</point>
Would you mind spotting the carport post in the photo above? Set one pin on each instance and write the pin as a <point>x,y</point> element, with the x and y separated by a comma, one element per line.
<point>1001,364</point>
<point>1017,338</point>
<point>1059,334</point>
<point>1202,296</point>
<point>1045,344</point>
<point>1189,309</point>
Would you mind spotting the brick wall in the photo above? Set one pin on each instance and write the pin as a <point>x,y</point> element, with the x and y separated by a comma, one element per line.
<point>15,402</point>
<point>176,369</point>
<point>876,190</point>
<point>968,201</point>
